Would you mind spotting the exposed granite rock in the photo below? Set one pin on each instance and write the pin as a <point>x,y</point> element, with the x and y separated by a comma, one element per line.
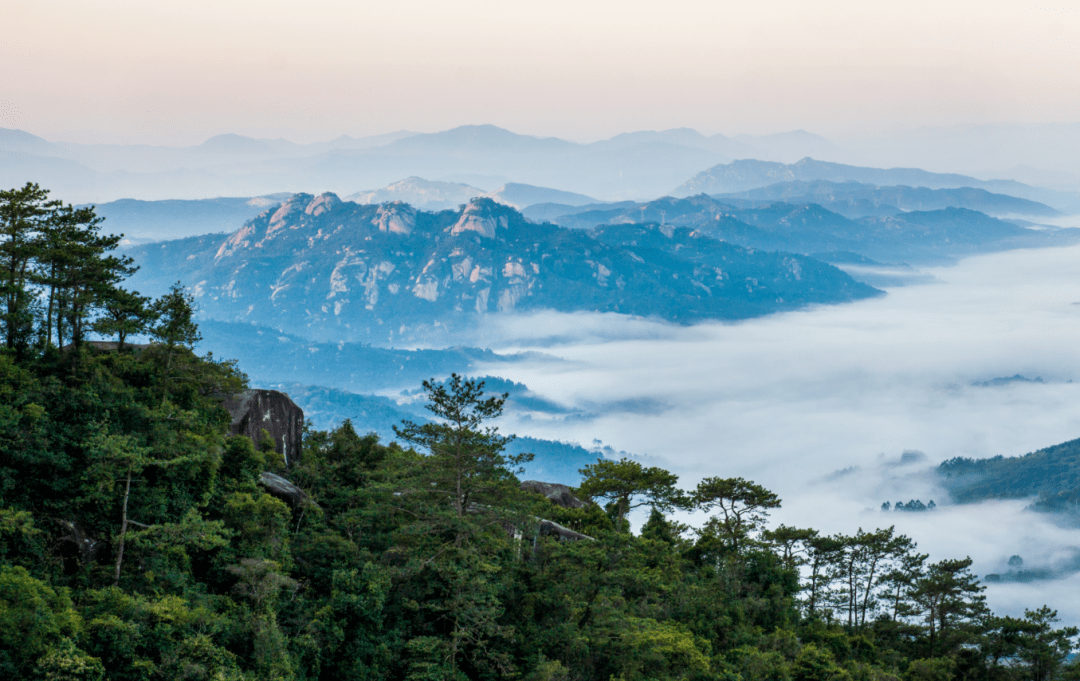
<point>481,216</point>
<point>560,495</point>
<point>550,528</point>
<point>395,217</point>
<point>323,203</point>
<point>390,274</point>
<point>256,410</point>
<point>283,489</point>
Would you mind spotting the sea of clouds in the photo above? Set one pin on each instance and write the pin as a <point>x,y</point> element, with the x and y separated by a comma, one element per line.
<point>819,405</point>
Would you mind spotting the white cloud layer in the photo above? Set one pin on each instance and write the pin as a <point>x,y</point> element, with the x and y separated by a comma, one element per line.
<point>790,399</point>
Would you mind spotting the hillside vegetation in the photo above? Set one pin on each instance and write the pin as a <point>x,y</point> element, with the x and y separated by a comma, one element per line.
<point>1052,475</point>
<point>139,541</point>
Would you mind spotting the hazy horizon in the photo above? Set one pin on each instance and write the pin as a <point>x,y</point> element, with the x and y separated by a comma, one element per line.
<point>177,72</point>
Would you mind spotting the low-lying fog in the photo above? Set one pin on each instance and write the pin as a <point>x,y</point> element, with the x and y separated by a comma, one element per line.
<point>793,400</point>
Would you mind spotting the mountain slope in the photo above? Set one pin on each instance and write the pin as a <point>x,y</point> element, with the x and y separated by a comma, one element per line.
<point>176,219</point>
<point>1053,473</point>
<point>420,193</point>
<point>856,199</point>
<point>520,195</point>
<point>337,270</point>
<point>741,176</point>
<point>437,195</point>
<point>916,236</point>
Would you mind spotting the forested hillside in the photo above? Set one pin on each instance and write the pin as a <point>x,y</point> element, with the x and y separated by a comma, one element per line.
<point>139,541</point>
<point>1052,475</point>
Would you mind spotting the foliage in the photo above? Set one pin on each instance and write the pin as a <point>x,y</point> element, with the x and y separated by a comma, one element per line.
<point>137,543</point>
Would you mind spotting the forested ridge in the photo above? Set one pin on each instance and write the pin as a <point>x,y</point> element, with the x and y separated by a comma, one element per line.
<point>137,542</point>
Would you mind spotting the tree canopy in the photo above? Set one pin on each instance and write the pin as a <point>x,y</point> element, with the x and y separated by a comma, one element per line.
<point>139,541</point>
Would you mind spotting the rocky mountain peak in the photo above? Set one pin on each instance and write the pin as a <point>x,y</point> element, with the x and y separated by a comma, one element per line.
<point>483,216</point>
<point>396,217</point>
<point>323,203</point>
<point>289,212</point>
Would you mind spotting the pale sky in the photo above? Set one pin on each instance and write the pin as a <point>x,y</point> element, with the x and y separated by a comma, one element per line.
<point>176,72</point>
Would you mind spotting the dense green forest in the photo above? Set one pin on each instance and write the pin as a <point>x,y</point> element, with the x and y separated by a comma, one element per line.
<point>137,541</point>
<point>1052,474</point>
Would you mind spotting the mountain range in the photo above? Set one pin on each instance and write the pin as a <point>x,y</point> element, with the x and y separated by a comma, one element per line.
<point>914,236</point>
<point>856,199</point>
<point>435,195</point>
<point>744,175</point>
<point>144,221</point>
<point>640,164</point>
<point>335,270</point>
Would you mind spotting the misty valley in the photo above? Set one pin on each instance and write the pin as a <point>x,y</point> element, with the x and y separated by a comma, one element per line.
<point>782,420</point>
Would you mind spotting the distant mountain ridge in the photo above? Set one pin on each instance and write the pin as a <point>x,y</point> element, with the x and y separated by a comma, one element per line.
<point>157,220</point>
<point>142,221</point>
<point>420,193</point>
<point>915,236</point>
<point>855,199</point>
<point>337,270</point>
<point>744,175</point>
<point>640,164</point>
<point>426,194</point>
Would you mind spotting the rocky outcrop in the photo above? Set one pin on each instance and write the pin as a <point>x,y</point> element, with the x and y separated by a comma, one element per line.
<point>254,411</point>
<point>482,216</point>
<point>550,528</point>
<point>323,203</point>
<point>560,495</point>
<point>395,218</point>
<point>283,489</point>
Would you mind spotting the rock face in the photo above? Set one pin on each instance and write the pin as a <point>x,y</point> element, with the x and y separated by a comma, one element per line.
<point>283,489</point>
<point>390,274</point>
<point>256,410</point>
<point>560,495</point>
<point>550,528</point>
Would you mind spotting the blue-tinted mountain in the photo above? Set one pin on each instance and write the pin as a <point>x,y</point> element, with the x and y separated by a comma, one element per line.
<point>420,193</point>
<point>272,356</point>
<point>440,195</point>
<point>915,236</point>
<point>521,195</point>
<point>856,199</point>
<point>177,218</point>
<point>552,212</point>
<point>778,275</point>
<point>334,270</point>
<point>744,175</point>
<point>640,164</point>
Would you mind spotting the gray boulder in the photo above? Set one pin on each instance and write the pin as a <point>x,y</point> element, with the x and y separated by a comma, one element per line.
<point>550,528</point>
<point>560,495</point>
<point>283,489</point>
<point>253,411</point>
